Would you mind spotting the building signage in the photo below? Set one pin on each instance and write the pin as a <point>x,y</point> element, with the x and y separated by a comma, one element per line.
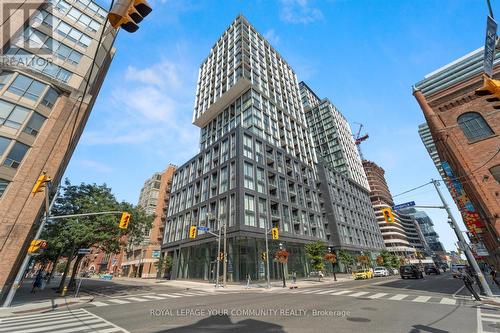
<point>404,205</point>
<point>156,254</point>
<point>203,228</point>
<point>489,45</point>
<point>84,251</point>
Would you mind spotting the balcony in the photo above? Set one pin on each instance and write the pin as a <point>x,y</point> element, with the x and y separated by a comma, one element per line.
<point>295,220</point>
<point>272,182</point>
<point>275,214</point>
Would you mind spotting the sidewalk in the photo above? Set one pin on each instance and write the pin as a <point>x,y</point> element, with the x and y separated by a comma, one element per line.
<point>43,300</point>
<point>210,286</point>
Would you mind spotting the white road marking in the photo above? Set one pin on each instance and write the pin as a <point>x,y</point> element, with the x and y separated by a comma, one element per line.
<point>450,301</point>
<point>398,297</point>
<point>118,301</point>
<point>459,290</point>
<point>378,295</point>
<point>136,299</point>
<point>490,315</point>
<point>479,321</point>
<point>152,297</point>
<point>361,293</point>
<point>341,292</point>
<point>421,299</point>
<point>324,292</point>
<point>98,303</point>
<point>168,295</point>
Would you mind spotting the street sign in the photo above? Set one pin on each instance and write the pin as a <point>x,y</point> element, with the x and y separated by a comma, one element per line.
<point>84,251</point>
<point>114,261</point>
<point>203,228</point>
<point>404,205</point>
<point>156,254</point>
<point>489,45</point>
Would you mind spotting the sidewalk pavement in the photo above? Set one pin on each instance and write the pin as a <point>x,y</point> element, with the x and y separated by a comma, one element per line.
<point>42,300</point>
<point>210,286</point>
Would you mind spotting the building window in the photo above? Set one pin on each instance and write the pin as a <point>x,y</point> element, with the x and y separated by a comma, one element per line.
<point>4,78</point>
<point>4,143</point>
<point>34,124</point>
<point>12,115</point>
<point>16,155</point>
<point>474,126</point>
<point>3,186</point>
<point>24,86</point>
<point>249,210</point>
<point>495,171</point>
<point>248,176</point>
<point>247,146</point>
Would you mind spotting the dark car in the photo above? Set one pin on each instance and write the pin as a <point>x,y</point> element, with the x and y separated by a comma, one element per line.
<point>410,271</point>
<point>431,269</point>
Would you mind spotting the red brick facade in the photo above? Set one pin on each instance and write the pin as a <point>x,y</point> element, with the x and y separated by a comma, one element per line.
<point>470,161</point>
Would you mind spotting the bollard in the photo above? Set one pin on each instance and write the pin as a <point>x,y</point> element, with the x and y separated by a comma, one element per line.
<point>65,289</point>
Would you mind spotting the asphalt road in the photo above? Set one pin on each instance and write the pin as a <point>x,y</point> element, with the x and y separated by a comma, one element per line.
<point>434,304</point>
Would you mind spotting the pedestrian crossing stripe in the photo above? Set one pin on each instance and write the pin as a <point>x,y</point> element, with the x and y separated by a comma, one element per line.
<point>487,318</point>
<point>77,321</point>
<point>375,296</point>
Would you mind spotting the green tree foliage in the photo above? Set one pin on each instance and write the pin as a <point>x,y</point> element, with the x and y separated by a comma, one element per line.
<point>346,258</point>
<point>98,231</point>
<point>315,252</point>
<point>164,265</point>
<point>389,260</point>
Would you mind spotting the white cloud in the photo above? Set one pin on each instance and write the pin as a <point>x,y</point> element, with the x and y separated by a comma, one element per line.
<point>299,11</point>
<point>272,37</point>
<point>92,165</point>
<point>150,108</point>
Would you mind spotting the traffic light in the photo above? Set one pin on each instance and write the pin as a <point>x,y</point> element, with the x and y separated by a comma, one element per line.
<point>222,256</point>
<point>40,183</point>
<point>127,14</point>
<point>36,245</point>
<point>388,215</point>
<point>490,87</point>
<point>263,255</point>
<point>192,231</point>
<point>275,233</point>
<point>124,220</point>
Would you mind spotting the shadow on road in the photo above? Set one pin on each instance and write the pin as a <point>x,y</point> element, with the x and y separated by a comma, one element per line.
<point>224,324</point>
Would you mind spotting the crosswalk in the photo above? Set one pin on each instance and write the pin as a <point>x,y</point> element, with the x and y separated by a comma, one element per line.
<point>376,295</point>
<point>155,297</point>
<point>72,321</point>
<point>488,319</point>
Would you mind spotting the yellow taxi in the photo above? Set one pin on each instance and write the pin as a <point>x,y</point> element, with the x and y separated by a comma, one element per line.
<point>362,274</point>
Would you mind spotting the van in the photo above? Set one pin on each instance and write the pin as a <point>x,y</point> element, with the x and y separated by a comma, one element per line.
<point>455,267</point>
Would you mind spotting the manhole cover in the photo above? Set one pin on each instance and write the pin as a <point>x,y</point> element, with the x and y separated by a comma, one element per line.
<point>359,319</point>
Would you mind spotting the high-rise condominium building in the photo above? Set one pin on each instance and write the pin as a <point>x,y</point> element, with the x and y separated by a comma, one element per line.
<point>401,237</point>
<point>139,260</point>
<point>44,69</point>
<point>255,170</point>
<point>332,136</point>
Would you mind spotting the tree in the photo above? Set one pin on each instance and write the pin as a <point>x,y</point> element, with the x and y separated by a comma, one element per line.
<point>163,265</point>
<point>98,231</point>
<point>315,252</point>
<point>346,258</point>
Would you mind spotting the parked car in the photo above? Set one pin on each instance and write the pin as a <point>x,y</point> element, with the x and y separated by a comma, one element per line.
<point>362,274</point>
<point>380,271</point>
<point>455,267</point>
<point>431,269</point>
<point>395,271</point>
<point>410,271</point>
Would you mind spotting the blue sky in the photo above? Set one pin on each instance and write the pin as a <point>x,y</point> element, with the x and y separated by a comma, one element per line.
<point>363,55</point>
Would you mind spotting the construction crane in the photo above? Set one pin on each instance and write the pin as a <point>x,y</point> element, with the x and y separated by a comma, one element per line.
<point>358,138</point>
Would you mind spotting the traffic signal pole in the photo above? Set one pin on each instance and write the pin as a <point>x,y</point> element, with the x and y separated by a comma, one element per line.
<point>27,258</point>
<point>463,244</point>
<point>266,231</point>
<point>224,278</point>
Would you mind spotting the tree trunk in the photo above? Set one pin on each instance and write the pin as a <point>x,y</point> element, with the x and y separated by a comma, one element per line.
<point>53,270</point>
<point>66,269</point>
<point>75,270</point>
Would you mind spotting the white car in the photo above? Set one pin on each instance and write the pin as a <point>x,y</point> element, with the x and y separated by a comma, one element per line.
<point>380,271</point>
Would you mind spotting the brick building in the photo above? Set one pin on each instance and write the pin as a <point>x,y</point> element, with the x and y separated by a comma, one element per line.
<point>44,67</point>
<point>465,128</point>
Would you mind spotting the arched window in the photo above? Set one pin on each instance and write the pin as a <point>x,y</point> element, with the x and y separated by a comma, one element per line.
<point>495,171</point>
<point>474,126</point>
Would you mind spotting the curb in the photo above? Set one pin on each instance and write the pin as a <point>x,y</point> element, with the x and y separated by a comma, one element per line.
<point>44,309</point>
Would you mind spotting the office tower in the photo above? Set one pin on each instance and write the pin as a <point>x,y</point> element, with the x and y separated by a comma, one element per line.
<point>46,63</point>
<point>464,126</point>
<point>401,237</point>
<point>332,136</point>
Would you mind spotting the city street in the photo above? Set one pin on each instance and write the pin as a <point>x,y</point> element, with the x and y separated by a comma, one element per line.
<point>433,304</point>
